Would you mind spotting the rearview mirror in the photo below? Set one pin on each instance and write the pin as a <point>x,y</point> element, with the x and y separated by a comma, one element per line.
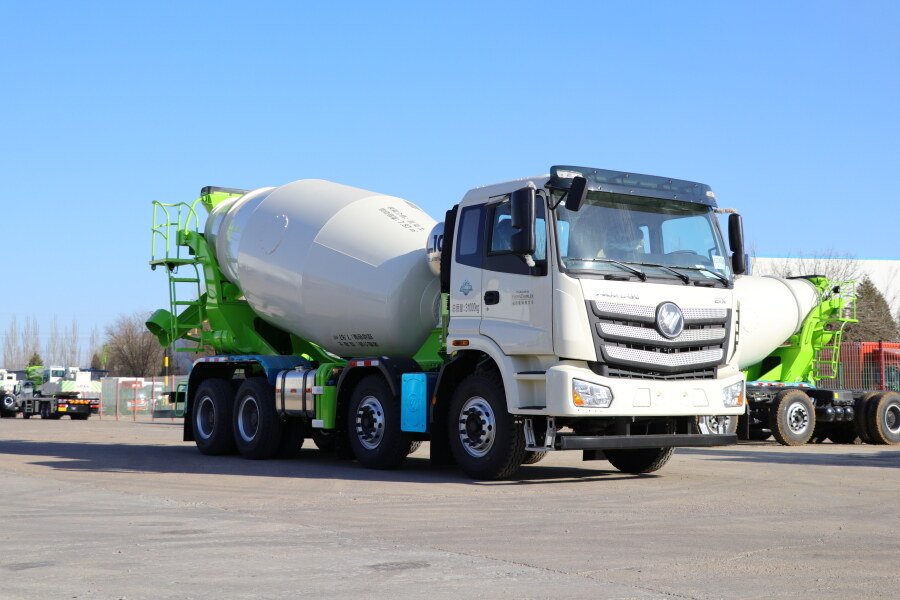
<point>577,194</point>
<point>521,211</point>
<point>736,241</point>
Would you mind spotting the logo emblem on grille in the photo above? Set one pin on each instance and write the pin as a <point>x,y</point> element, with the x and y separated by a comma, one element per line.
<point>669,320</point>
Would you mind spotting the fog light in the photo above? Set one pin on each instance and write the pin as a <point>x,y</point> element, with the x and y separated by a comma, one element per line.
<point>734,395</point>
<point>590,394</point>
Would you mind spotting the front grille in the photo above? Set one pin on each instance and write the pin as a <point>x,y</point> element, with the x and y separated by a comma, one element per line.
<point>626,373</point>
<point>628,342</point>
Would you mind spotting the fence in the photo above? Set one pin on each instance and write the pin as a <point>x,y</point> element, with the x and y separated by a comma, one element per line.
<point>138,398</point>
<point>866,366</point>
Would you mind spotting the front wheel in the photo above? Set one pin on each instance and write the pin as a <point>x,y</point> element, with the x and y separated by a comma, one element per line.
<point>713,424</point>
<point>485,439</point>
<point>212,418</point>
<point>373,425</point>
<point>640,460</point>
<point>793,419</point>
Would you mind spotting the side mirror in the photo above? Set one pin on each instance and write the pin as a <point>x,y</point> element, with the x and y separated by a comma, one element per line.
<point>736,241</point>
<point>577,194</point>
<point>521,211</point>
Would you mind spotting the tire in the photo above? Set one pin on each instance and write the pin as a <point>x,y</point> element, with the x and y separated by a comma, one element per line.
<point>793,418</point>
<point>292,437</point>
<point>884,418</point>
<point>257,428</point>
<point>26,415</point>
<point>414,446</point>
<point>641,460</point>
<point>373,425</point>
<point>843,433</point>
<point>533,457</point>
<point>211,412</point>
<point>324,439</point>
<point>861,422</point>
<point>45,410</point>
<point>7,406</point>
<point>485,439</point>
<point>710,423</point>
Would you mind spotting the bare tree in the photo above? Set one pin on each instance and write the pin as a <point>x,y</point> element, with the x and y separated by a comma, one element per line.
<point>30,338</point>
<point>12,350</point>
<point>133,351</point>
<point>829,263</point>
<point>72,346</point>
<point>53,349</point>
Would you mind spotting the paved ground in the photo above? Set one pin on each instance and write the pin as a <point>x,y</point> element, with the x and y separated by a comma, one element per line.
<point>126,510</point>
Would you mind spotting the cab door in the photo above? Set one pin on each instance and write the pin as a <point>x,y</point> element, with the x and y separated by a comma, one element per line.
<point>516,298</point>
<point>465,276</point>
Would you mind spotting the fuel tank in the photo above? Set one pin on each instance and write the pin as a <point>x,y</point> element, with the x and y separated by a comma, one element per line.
<point>772,309</point>
<point>340,266</point>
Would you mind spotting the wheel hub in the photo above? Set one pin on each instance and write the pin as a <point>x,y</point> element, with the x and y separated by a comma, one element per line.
<point>892,419</point>
<point>370,422</point>
<point>477,426</point>
<point>798,418</point>
<point>206,417</point>
<point>248,418</point>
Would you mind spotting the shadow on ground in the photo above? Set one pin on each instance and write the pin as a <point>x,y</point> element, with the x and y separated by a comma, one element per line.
<point>312,464</point>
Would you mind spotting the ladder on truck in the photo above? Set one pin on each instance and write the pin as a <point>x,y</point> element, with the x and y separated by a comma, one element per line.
<point>827,345</point>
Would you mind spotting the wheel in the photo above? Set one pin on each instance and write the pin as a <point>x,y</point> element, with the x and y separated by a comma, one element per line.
<point>861,422</point>
<point>883,419</point>
<point>532,457</point>
<point>373,425</point>
<point>257,428</point>
<point>414,446</point>
<point>293,435</point>
<point>212,417</point>
<point>25,415</point>
<point>843,433</point>
<point>45,410</point>
<point>323,439</point>
<point>717,424</point>
<point>793,418</point>
<point>485,439</point>
<point>7,406</point>
<point>641,460</point>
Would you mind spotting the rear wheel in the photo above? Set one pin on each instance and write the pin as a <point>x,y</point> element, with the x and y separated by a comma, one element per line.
<point>641,460</point>
<point>793,419</point>
<point>257,428</point>
<point>884,418</point>
<point>212,417</point>
<point>861,422</point>
<point>485,439</point>
<point>373,425</point>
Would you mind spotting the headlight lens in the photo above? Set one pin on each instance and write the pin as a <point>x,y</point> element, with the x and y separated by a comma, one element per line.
<point>590,394</point>
<point>734,395</point>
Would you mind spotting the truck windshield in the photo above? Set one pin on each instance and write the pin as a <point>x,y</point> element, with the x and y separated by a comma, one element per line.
<point>656,236</point>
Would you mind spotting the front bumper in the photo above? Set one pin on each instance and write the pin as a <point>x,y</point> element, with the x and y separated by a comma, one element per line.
<point>639,397</point>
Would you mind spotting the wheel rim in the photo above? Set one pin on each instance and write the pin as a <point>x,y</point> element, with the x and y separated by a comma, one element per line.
<point>892,419</point>
<point>370,422</point>
<point>248,418</point>
<point>797,418</point>
<point>206,417</point>
<point>477,427</point>
<point>715,423</point>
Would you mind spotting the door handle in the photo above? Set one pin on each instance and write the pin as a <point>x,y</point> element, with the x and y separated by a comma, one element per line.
<point>491,297</point>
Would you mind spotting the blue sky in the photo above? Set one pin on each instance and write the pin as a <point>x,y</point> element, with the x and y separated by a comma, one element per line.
<point>789,110</point>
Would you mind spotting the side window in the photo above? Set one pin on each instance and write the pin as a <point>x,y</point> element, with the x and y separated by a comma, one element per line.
<point>501,237</point>
<point>468,238</point>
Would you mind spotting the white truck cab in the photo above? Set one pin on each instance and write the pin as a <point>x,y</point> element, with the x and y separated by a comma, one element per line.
<point>599,294</point>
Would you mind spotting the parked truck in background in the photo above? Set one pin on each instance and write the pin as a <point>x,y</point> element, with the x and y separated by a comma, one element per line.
<point>784,392</point>
<point>53,392</point>
<point>585,310</point>
<point>9,392</point>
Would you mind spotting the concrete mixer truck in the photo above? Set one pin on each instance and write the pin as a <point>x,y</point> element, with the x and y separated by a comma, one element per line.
<point>586,309</point>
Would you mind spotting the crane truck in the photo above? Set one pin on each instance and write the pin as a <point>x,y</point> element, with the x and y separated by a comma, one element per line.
<point>784,398</point>
<point>587,309</point>
<point>58,391</point>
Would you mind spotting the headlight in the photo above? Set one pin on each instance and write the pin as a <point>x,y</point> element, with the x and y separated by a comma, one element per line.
<point>590,394</point>
<point>734,395</point>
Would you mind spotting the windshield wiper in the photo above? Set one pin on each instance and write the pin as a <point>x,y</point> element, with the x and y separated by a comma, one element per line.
<point>718,276</point>
<point>686,279</point>
<point>638,272</point>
